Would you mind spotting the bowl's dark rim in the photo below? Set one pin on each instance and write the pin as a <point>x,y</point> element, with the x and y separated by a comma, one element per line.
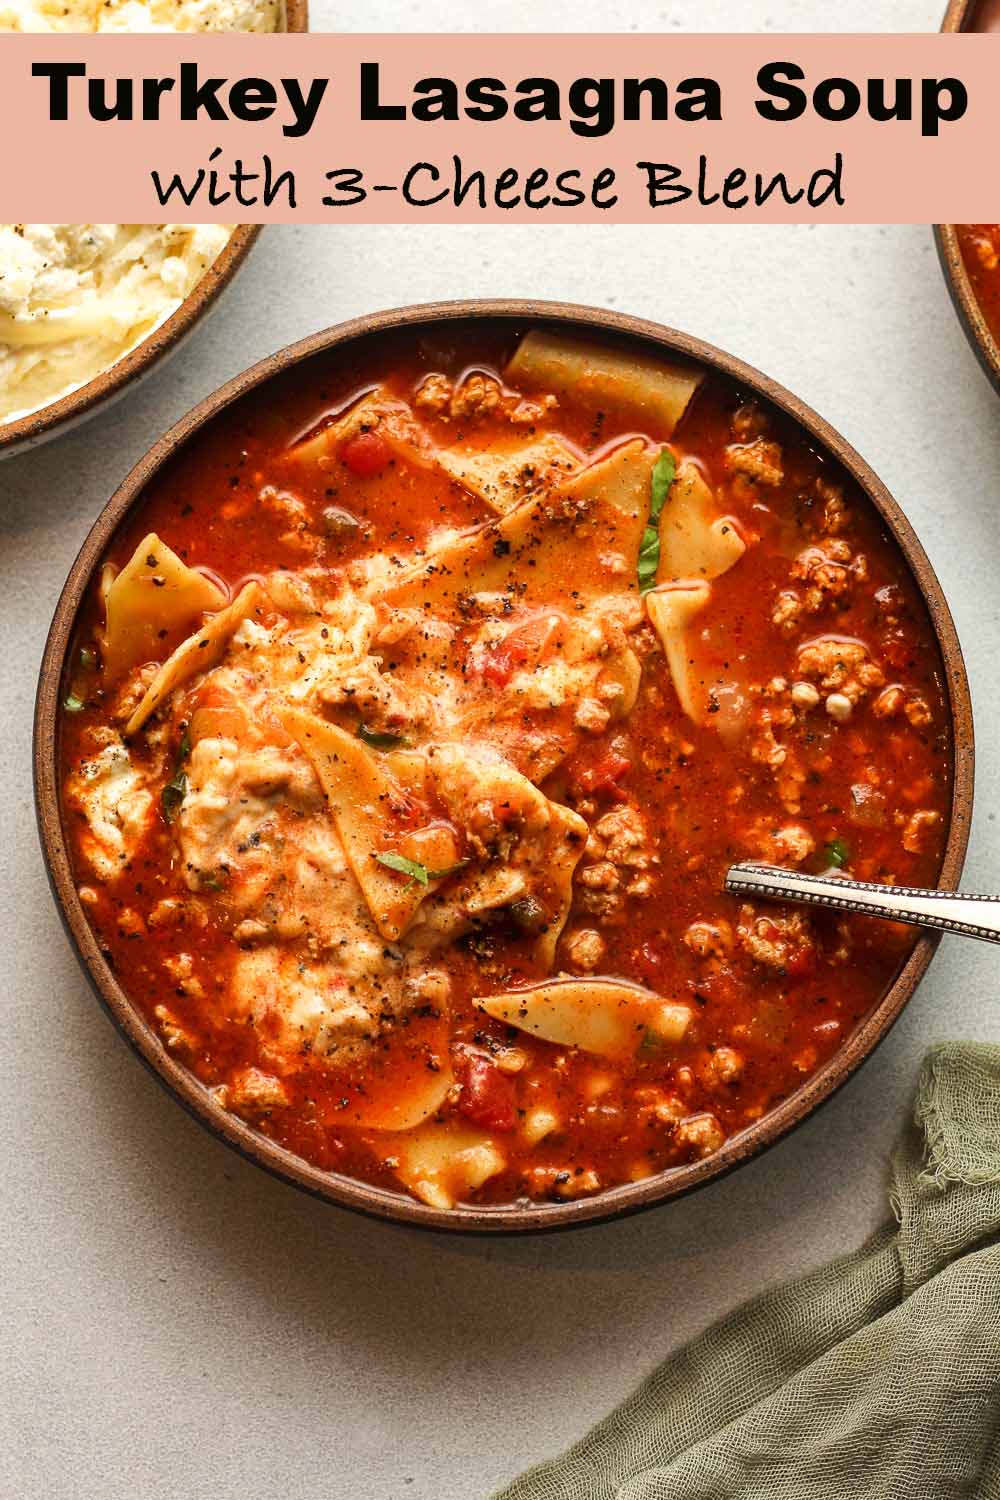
<point>515,1218</point>
<point>985,346</point>
<point>76,406</point>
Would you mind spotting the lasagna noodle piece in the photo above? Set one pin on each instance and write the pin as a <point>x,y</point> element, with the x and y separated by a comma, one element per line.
<point>696,547</point>
<point>653,394</point>
<point>201,651</point>
<point>695,542</point>
<point>443,1163</point>
<point>606,1016</point>
<point>155,596</point>
<point>554,545</point>
<point>362,787</point>
<point>509,469</point>
<point>672,610</point>
<point>407,1080</point>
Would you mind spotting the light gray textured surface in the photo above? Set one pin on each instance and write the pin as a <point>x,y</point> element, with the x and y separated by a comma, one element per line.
<point>176,1325</point>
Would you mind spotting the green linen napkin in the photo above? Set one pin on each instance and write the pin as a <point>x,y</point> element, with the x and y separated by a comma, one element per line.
<point>875,1378</point>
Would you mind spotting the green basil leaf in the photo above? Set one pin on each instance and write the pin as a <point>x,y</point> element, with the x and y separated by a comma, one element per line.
<point>175,791</point>
<point>379,739</point>
<point>659,488</point>
<point>448,870</point>
<point>836,853</point>
<point>663,477</point>
<point>405,866</point>
<point>649,559</point>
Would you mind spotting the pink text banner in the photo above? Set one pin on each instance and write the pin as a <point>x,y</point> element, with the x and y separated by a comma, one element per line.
<point>501,129</point>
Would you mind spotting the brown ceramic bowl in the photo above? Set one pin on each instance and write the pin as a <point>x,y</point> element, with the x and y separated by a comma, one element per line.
<point>76,406</point>
<point>193,1095</point>
<point>969,15</point>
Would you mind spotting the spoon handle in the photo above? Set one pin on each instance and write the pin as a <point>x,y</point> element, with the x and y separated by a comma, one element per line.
<point>947,911</point>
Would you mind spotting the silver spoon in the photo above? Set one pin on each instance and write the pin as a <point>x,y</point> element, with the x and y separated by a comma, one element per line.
<point>947,911</point>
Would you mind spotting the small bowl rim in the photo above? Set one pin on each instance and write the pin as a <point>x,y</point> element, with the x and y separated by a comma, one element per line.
<point>347,1192</point>
<point>75,406</point>
<point>983,341</point>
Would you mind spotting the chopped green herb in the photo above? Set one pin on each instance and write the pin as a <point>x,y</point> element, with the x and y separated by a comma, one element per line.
<point>88,659</point>
<point>649,550</point>
<point>175,791</point>
<point>651,1043</point>
<point>380,739</point>
<point>836,854</point>
<point>649,559</point>
<point>663,477</point>
<point>448,870</point>
<point>217,880</point>
<point>72,704</point>
<point>173,795</point>
<point>417,872</point>
<point>404,866</point>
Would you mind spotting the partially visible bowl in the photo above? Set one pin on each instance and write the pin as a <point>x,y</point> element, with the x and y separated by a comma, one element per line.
<point>969,15</point>
<point>77,405</point>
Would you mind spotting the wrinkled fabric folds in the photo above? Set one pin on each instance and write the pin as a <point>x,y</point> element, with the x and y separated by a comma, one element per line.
<point>875,1378</point>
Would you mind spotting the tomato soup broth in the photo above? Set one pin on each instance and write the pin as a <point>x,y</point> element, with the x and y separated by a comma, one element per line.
<point>425,699</point>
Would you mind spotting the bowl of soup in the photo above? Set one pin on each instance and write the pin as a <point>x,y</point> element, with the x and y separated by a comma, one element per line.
<point>400,718</point>
<point>970,253</point>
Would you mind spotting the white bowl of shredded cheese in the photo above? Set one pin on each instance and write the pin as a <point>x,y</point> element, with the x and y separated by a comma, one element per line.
<point>144,15</point>
<point>86,309</point>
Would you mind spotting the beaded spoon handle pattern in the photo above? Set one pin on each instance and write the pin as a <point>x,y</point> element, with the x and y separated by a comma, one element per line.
<point>946,911</point>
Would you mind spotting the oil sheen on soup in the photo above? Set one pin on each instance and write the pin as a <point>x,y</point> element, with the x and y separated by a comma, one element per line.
<point>413,721</point>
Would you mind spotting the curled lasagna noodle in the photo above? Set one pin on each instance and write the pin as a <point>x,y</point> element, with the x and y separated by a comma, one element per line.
<point>696,547</point>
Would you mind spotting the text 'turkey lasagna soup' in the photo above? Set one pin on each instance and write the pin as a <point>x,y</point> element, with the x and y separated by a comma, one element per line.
<point>423,703</point>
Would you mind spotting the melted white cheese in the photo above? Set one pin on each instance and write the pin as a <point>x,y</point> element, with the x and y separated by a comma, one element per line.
<point>116,805</point>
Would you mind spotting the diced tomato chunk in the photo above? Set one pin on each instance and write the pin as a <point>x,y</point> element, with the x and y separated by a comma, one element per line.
<point>366,454</point>
<point>504,660</point>
<point>487,1097</point>
<point>533,639</point>
<point>604,774</point>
